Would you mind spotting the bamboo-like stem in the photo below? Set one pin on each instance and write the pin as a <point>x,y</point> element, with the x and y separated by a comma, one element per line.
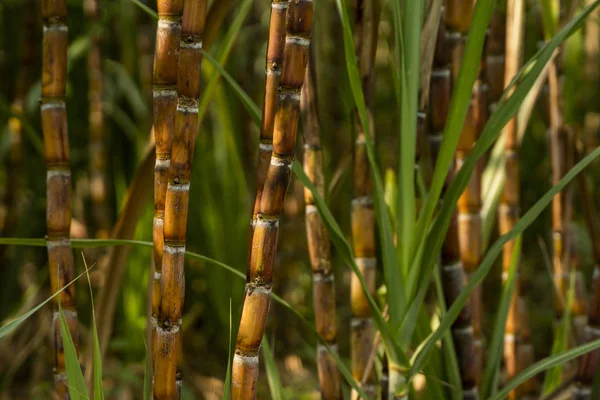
<point>362,332</point>
<point>318,239</point>
<point>58,163</point>
<point>274,61</point>
<point>518,350</point>
<point>264,242</point>
<point>451,267</point>
<point>97,142</point>
<point>167,377</point>
<point>164,93</point>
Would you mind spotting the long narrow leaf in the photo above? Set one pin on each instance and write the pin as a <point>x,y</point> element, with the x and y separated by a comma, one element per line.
<point>272,372</point>
<point>75,379</point>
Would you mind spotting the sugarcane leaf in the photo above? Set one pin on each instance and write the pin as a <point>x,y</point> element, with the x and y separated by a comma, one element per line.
<point>147,395</point>
<point>247,102</point>
<point>98,392</point>
<point>489,385</point>
<point>273,378</point>
<point>153,14</point>
<point>545,364</point>
<point>393,276</point>
<point>76,382</point>
<point>421,353</point>
<point>128,88</point>
<point>505,111</point>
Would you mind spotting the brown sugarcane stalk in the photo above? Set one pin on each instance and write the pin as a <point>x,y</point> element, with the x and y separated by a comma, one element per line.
<point>167,377</point>
<point>58,163</point>
<point>264,241</point>
<point>318,239</point>
<point>518,350</point>
<point>274,61</point>
<point>362,333</point>
<point>164,94</point>
<point>451,267</point>
<point>97,143</point>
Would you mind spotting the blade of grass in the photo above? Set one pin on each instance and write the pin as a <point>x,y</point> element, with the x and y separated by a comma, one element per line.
<point>147,374</point>
<point>227,385</point>
<point>146,9</point>
<point>97,384</point>
<point>422,352</point>
<point>489,385</point>
<point>76,382</point>
<point>273,378</point>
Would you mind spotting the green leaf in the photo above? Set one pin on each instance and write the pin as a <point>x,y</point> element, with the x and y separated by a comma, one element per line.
<point>76,382</point>
<point>147,374</point>
<point>422,352</point>
<point>272,372</point>
<point>146,9</point>
<point>98,392</point>
<point>227,386</point>
<point>489,384</point>
<point>544,365</point>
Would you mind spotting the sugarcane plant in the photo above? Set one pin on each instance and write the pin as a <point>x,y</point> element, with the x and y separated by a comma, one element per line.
<point>168,362</point>
<point>164,106</point>
<point>58,179</point>
<point>266,228</point>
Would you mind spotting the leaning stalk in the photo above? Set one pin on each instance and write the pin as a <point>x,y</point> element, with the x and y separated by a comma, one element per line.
<point>362,332</point>
<point>58,178</point>
<point>264,240</point>
<point>318,240</point>
<point>167,373</point>
<point>164,93</point>
<point>451,267</point>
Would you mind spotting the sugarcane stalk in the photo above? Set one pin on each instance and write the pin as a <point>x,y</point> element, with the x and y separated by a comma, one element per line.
<point>168,375</point>
<point>97,143</point>
<point>164,104</point>
<point>518,350</point>
<point>58,178</point>
<point>451,266</point>
<point>318,239</point>
<point>362,332</point>
<point>264,241</point>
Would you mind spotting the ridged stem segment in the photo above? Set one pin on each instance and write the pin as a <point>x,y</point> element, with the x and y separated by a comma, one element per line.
<point>264,240</point>
<point>518,349</point>
<point>97,140</point>
<point>164,106</point>
<point>58,163</point>
<point>318,240</point>
<point>274,61</point>
<point>362,332</point>
<point>167,373</point>
<point>451,267</point>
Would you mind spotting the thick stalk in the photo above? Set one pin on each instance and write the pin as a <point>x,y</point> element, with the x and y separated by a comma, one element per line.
<point>264,241</point>
<point>451,267</point>
<point>58,163</point>
<point>518,350</point>
<point>164,93</point>
<point>318,239</point>
<point>274,61</point>
<point>97,141</point>
<point>167,377</point>
<point>362,332</point>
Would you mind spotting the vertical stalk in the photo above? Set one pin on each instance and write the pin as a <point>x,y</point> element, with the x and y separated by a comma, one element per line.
<point>518,350</point>
<point>318,239</point>
<point>164,94</point>
<point>274,61</point>
<point>264,240</point>
<point>167,377</point>
<point>97,142</point>
<point>58,178</point>
<point>362,333</point>
<point>145,44</point>
<point>451,267</point>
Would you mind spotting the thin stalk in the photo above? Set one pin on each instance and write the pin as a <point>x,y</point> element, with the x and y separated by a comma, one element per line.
<point>164,93</point>
<point>99,187</point>
<point>264,241</point>
<point>168,375</point>
<point>58,179</point>
<point>274,61</point>
<point>451,266</point>
<point>362,332</point>
<point>318,239</point>
<point>518,350</point>
<point>469,223</point>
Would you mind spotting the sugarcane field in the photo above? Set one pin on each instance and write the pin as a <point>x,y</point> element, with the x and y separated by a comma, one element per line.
<point>299,200</point>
